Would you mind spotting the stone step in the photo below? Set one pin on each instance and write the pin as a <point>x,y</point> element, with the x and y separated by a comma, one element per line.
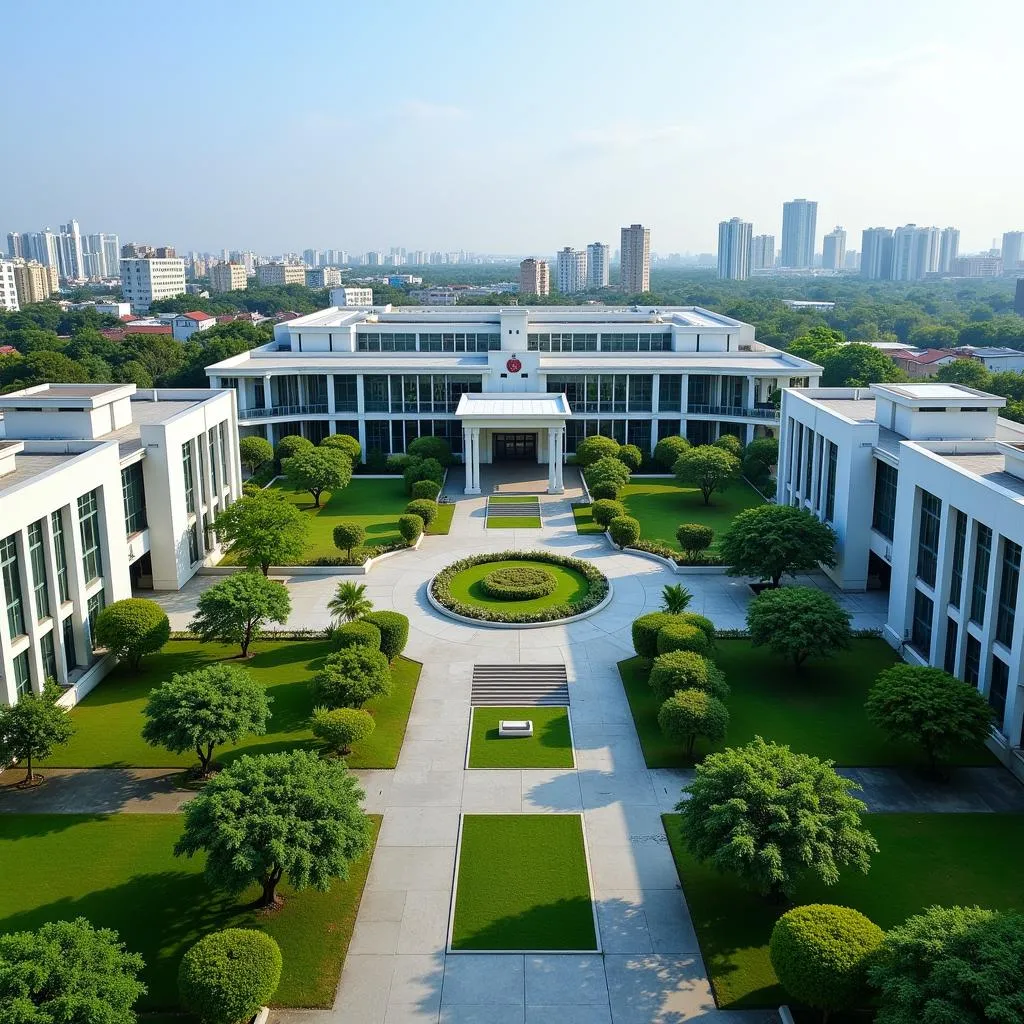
<point>519,685</point>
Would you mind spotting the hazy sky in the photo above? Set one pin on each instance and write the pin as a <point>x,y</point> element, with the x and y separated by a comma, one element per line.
<point>507,127</point>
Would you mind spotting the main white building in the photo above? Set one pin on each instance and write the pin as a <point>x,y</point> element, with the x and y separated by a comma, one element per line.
<point>924,484</point>
<point>388,376</point>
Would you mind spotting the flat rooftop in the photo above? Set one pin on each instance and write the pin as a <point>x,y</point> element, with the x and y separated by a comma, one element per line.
<point>29,465</point>
<point>525,404</point>
<point>938,392</point>
<point>129,437</point>
<point>988,466</point>
<point>83,396</point>
<point>860,410</point>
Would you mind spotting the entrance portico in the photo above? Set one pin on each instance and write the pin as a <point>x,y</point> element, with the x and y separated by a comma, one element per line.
<point>509,425</point>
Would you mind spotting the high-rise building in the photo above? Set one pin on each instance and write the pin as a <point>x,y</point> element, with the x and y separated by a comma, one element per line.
<point>762,252</point>
<point>915,252</point>
<point>571,272</point>
<point>147,279</point>
<point>69,252</point>
<point>228,277</point>
<point>1018,297</point>
<point>734,248</point>
<point>15,244</point>
<point>8,288</point>
<point>852,260</point>
<point>799,226</point>
<point>876,254</point>
<point>311,257</point>
<point>1013,250</point>
<point>635,257</point>
<point>534,277</point>
<point>33,281</point>
<point>949,249</point>
<point>104,252</point>
<point>833,249</point>
<point>42,247</point>
<point>269,274</point>
<point>323,277</point>
<point>598,265</point>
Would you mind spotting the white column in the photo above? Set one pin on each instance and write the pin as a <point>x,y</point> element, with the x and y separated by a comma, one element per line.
<point>267,400</point>
<point>474,439</point>
<point>468,459</point>
<point>560,452</point>
<point>361,413</point>
<point>552,459</point>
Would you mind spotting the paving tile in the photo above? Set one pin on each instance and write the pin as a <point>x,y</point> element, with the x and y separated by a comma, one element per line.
<point>476,1014</point>
<point>382,905</point>
<point>484,979</point>
<point>374,936</point>
<point>487,791</point>
<point>551,790</point>
<point>422,868</point>
<point>566,980</point>
<point>658,989</point>
<point>365,988</point>
<point>419,826</point>
<point>425,922</point>
<point>591,1014</point>
<point>417,982</point>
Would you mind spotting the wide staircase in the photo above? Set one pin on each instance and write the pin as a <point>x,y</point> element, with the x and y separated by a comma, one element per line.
<point>513,507</point>
<point>520,685</point>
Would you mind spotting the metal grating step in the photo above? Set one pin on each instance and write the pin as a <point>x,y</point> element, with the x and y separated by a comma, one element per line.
<point>519,685</point>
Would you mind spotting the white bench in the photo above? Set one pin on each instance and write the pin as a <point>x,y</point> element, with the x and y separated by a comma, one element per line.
<point>515,727</point>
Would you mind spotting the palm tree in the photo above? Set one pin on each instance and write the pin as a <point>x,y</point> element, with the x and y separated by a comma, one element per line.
<point>349,602</point>
<point>675,598</point>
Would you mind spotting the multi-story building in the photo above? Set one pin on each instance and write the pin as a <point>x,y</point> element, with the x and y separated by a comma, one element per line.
<point>100,253</point>
<point>762,252</point>
<point>270,274</point>
<point>8,287</point>
<point>312,257</point>
<point>635,259</point>
<point>42,247</point>
<point>69,252</point>
<point>351,296</point>
<point>799,228</point>
<point>949,249</point>
<point>388,376</point>
<point>852,260</point>
<point>534,277</point>
<point>35,283</point>
<point>924,484</point>
<point>1018,297</point>
<point>876,254</point>
<point>184,325</point>
<point>147,279</point>
<point>15,245</point>
<point>734,243</point>
<point>571,270</point>
<point>977,266</point>
<point>915,252</point>
<point>228,277</point>
<point>323,277</point>
<point>598,265</point>
<point>102,489</point>
<point>1013,251</point>
<point>833,249</point>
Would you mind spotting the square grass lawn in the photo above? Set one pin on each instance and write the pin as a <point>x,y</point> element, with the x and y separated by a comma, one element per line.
<point>819,710</point>
<point>523,884</point>
<point>108,722</point>
<point>924,859</point>
<point>550,746</point>
<point>118,871</point>
<point>513,522</point>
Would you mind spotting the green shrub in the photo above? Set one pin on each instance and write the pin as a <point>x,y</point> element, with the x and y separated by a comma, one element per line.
<point>428,489</point>
<point>821,953</point>
<point>624,530</point>
<point>631,456</point>
<point>688,714</point>
<point>339,728</point>
<point>605,490</point>
<point>424,508</point>
<point>519,583</point>
<point>422,469</point>
<point>228,975</point>
<point>289,445</point>
<point>590,449</point>
<point>686,670</point>
<point>410,527</point>
<point>394,632</point>
<point>683,636</point>
<point>645,632</point>
<point>356,634</point>
<point>730,443</point>
<point>348,535</point>
<point>397,463</point>
<point>694,539</point>
<point>350,677</point>
<point>345,443</point>
<point>701,622</point>
<point>431,447</point>
<point>608,468</point>
<point>668,450</point>
<point>605,510</point>
<point>131,628</point>
<point>255,452</point>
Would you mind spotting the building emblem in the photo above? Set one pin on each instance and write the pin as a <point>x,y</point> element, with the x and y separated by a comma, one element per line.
<point>513,365</point>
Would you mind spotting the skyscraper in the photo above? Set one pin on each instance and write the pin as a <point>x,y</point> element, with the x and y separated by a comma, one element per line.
<point>42,247</point>
<point>1013,250</point>
<point>534,277</point>
<point>69,252</point>
<point>15,244</point>
<point>762,252</point>
<point>833,250</point>
<point>799,224</point>
<point>915,252</point>
<point>635,269</point>
<point>1018,297</point>
<point>949,249</point>
<point>598,265</point>
<point>734,248</point>
<point>572,270</point>
<point>876,254</point>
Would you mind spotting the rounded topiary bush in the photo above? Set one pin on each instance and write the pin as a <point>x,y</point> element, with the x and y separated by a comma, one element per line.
<point>356,634</point>
<point>608,468</point>
<point>595,447</point>
<point>398,462</point>
<point>605,510</point>
<point>694,539</point>
<point>227,976</point>
<point>631,456</point>
<point>424,508</point>
<point>348,536</point>
<point>345,443</point>
<point>686,670</point>
<point>132,628</point>
<point>394,632</point>
<point>339,728</point>
<point>683,636</point>
<point>624,530</point>
<point>606,489</point>
<point>410,527</point>
<point>688,714</point>
<point>702,622</point>
<point>519,583</point>
<point>820,953</point>
<point>421,469</point>
<point>431,447</point>
<point>668,450</point>
<point>645,632</point>
<point>350,677</point>
<point>428,489</point>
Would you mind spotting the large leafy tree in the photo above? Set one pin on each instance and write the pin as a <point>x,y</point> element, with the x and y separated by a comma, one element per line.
<point>858,366</point>
<point>255,452</point>
<point>930,708</point>
<point>770,541</point>
<point>817,344</point>
<point>798,623</point>
<point>203,709</point>
<point>31,728</point>
<point>235,609</point>
<point>971,372</point>
<point>263,530</point>
<point>772,817</point>
<point>68,972</point>
<point>277,816</point>
<point>706,467</point>
<point>317,470</point>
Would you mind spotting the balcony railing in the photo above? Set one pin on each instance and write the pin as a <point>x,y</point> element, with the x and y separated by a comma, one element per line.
<point>757,412</point>
<point>283,410</point>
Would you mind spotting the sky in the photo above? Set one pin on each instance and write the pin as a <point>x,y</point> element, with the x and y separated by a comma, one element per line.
<point>514,127</point>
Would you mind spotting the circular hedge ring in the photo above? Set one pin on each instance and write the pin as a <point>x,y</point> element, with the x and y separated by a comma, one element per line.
<point>518,583</point>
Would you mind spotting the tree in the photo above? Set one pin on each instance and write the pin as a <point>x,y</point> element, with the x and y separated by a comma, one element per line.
<point>276,816</point>
<point>631,456</point>
<point>317,470</point>
<point>771,816</point>
<point>764,450</point>
<point>235,609</point>
<point>131,628</point>
<point>930,708</point>
<point>817,344</point>
<point>349,602</point>
<point>798,623</point>
<point>68,972</point>
<point>350,677</point>
<point>686,670</point>
<point>228,975</point>
<point>668,450</point>
<point>394,631</point>
<point>729,443</point>
<point>263,529</point>
<point>203,709</point>
<point>346,444</point>
<point>255,452</point>
<point>595,447</point>
<point>694,539</point>
<point>769,541</point>
<point>410,527</point>
<point>820,954</point>
<point>707,468</point>
<point>348,535</point>
<point>857,366</point>
<point>956,964</point>
<point>624,530</point>
<point>339,728</point>
<point>607,469</point>
<point>30,729</point>
<point>675,598</point>
<point>604,510</point>
<point>289,445</point>
<point>971,372</point>
<point>688,714</point>
<point>431,447</point>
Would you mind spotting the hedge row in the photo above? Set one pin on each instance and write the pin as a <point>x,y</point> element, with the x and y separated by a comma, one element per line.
<point>518,584</point>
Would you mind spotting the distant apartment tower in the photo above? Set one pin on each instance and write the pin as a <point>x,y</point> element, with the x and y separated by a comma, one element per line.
<point>762,252</point>
<point>1013,250</point>
<point>1018,297</point>
<point>799,226</point>
<point>635,257</point>
<point>571,270</point>
<point>101,255</point>
<point>270,274</point>
<point>228,277</point>
<point>949,249</point>
<point>351,296</point>
<point>33,281</point>
<point>978,266</point>
<point>8,289</point>
<point>598,265</point>
<point>833,250</point>
<point>876,254</point>
<point>323,277</point>
<point>15,244</point>
<point>42,247</point>
<point>852,260</point>
<point>69,252</point>
<point>148,279</point>
<point>534,277</point>
<point>915,252</point>
<point>734,240</point>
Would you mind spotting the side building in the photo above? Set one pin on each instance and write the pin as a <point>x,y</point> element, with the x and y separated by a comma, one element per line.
<point>104,489</point>
<point>924,484</point>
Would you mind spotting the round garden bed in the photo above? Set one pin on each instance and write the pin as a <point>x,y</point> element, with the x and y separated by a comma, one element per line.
<point>519,588</point>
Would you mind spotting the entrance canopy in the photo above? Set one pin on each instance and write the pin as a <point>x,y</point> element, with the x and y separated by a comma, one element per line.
<point>513,412</point>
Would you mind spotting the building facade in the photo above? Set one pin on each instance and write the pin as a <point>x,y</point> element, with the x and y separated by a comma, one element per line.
<point>598,265</point>
<point>949,249</point>
<point>833,249</point>
<point>228,277</point>
<point>352,296</point>
<point>1013,250</point>
<point>147,279</point>
<point>915,252</point>
<point>924,485</point>
<point>8,287</point>
<point>323,277</point>
<point>534,277</point>
<point>35,283</point>
<point>799,228</point>
<point>635,259</point>
<point>271,274</point>
<point>762,252</point>
<point>734,241</point>
<point>571,270</point>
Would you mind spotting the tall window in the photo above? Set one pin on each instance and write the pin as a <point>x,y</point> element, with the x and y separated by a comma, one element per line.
<point>37,559</point>
<point>921,630</point>
<point>979,584</point>
<point>89,524</point>
<point>972,660</point>
<point>956,580</point>
<point>670,392</point>
<point>808,462</point>
<point>999,683</point>
<point>57,526</point>
<point>22,675</point>
<point>830,481</point>
<point>883,517</point>
<point>193,543</point>
<point>1009,577</point>
<point>68,643</point>
<point>133,490</point>
<point>928,538</point>
<point>12,585</point>
<point>190,477</point>
<point>949,656</point>
<point>214,468</point>
<point>46,649</point>
<point>95,605</point>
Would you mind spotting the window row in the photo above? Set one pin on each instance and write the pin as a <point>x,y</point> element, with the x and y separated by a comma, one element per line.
<point>604,392</point>
<point>569,341</point>
<point>417,392</point>
<point>407,342</point>
<point>636,432</point>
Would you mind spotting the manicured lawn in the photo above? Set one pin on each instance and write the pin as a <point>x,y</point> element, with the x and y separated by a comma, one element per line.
<point>109,721</point>
<point>513,522</point>
<point>523,884</point>
<point>924,859</point>
<point>584,520</point>
<point>119,871</point>
<point>513,499</point>
<point>466,586</point>
<point>550,746</point>
<point>819,711</point>
<point>442,523</point>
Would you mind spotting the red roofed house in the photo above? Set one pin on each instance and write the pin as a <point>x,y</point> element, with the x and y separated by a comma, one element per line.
<point>186,324</point>
<point>923,363</point>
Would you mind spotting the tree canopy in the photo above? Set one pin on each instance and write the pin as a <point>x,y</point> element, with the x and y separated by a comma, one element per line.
<point>31,728</point>
<point>263,529</point>
<point>236,609</point>
<point>317,470</point>
<point>707,468</point>
<point>798,623</point>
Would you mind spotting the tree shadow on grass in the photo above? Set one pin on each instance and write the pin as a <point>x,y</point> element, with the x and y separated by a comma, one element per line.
<point>566,924</point>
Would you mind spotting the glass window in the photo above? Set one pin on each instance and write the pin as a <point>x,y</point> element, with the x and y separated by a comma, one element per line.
<point>46,649</point>
<point>213,466</point>
<point>12,585</point>
<point>95,605</point>
<point>928,538</point>
<point>668,428</point>
<point>190,479</point>
<point>998,685</point>
<point>22,675</point>
<point>60,551</point>
<point>378,436</point>
<point>68,642</point>
<point>375,393</point>
<point>670,392</point>
<point>639,433</point>
<point>1009,577</point>
<point>134,492</point>
<point>89,525</point>
<point>345,393</point>
<point>830,481</point>
<point>972,660</point>
<point>37,559</point>
<point>949,656</point>
<point>883,518</point>
<point>193,543</point>
<point>698,391</point>
<point>956,579</point>
<point>921,630</point>
<point>979,583</point>
<point>640,392</point>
